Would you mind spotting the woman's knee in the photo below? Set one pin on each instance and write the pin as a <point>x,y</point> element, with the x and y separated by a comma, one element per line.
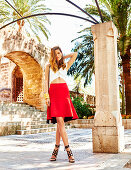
<point>60,120</point>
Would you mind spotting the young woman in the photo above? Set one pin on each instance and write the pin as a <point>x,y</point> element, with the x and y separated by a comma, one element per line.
<point>60,108</point>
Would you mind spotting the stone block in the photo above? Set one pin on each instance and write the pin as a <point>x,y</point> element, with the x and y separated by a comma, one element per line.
<point>108,139</point>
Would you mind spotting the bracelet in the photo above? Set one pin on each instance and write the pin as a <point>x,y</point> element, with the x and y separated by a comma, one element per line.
<point>46,95</point>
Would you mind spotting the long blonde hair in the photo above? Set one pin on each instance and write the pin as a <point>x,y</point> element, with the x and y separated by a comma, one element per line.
<point>53,62</point>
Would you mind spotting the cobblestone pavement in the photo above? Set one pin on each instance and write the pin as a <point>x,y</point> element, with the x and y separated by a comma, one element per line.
<point>32,152</point>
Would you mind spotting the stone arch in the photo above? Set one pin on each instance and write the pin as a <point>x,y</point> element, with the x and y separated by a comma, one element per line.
<point>12,40</point>
<point>31,57</point>
<point>32,77</point>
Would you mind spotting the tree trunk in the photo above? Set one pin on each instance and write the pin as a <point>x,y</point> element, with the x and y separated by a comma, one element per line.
<point>122,95</point>
<point>21,24</point>
<point>127,80</point>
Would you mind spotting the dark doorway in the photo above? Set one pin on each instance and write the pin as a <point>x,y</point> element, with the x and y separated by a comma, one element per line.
<point>17,91</point>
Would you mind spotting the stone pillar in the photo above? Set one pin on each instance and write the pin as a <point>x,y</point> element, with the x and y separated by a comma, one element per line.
<point>108,132</point>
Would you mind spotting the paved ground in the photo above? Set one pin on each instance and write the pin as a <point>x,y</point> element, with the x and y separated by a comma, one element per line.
<point>32,152</point>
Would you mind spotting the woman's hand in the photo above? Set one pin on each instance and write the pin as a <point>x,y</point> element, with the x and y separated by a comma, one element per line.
<point>47,102</point>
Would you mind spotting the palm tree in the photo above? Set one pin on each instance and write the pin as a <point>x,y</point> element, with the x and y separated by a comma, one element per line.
<point>84,63</point>
<point>25,8</point>
<point>119,12</point>
<point>77,87</point>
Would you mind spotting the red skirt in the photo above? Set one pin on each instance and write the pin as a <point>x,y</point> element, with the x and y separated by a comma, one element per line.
<point>60,103</point>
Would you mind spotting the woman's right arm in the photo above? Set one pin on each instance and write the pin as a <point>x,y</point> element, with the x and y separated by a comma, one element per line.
<point>46,85</point>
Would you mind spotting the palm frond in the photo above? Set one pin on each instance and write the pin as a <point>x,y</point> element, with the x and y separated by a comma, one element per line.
<point>26,8</point>
<point>93,10</point>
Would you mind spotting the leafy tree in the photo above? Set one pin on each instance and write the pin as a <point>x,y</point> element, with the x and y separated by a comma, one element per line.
<point>84,64</point>
<point>82,108</point>
<point>25,8</point>
<point>119,12</point>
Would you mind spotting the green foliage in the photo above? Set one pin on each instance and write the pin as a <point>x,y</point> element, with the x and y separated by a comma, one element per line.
<point>25,8</point>
<point>120,14</point>
<point>81,107</point>
<point>116,10</point>
<point>84,63</point>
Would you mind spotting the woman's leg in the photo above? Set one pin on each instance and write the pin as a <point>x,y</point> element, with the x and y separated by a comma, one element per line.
<point>58,138</point>
<point>61,126</point>
<point>63,134</point>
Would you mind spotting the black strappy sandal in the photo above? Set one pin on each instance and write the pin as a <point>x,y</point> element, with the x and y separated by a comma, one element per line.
<point>69,153</point>
<point>55,152</point>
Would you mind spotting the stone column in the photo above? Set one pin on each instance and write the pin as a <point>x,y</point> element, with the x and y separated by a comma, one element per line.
<point>108,132</point>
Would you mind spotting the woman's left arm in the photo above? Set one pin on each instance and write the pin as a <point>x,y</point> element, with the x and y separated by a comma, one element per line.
<point>72,57</point>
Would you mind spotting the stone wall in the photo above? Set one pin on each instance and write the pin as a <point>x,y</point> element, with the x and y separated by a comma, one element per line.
<point>89,123</point>
<point>91,100</point>
<point>5,81</point>
<point>5,95</point>
<point>4,75</point>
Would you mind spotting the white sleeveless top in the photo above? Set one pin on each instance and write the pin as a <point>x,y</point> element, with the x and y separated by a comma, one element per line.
<point>60,73</point>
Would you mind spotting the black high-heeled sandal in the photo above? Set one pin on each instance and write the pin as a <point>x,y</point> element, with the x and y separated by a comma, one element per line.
<point>55,153</point>
<point>69,153</point>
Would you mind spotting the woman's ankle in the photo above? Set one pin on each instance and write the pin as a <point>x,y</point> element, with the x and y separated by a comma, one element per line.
<point>67,147</point>
<point>57,145</point>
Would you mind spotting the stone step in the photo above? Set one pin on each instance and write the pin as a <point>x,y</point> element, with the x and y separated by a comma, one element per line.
<point>19,109</point>
<point>14,104</point>
<point>33,116</point>
<point>26,113</point>
<point>38,122</point>
<point>34,131</point>
<point>30,126</point>
<point>82,126</point>
<point>37,119</point>
<point>82,121</point>
<point>10,123</point>
<point>15,107</point>
<point>37,113</point>
<point>40,130</point>
<point>31,119</point>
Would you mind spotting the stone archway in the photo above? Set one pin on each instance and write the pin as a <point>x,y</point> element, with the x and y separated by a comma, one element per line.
<point>31,58</point>
<point>32,77</point>
<point>12,40</point>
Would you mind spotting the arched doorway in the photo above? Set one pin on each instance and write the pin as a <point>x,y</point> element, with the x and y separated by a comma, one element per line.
<point>31,58</point>
<point>17,85</point>
<point>27,79</point>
